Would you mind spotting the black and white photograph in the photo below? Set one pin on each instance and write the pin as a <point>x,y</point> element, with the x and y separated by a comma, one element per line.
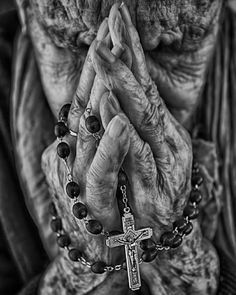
<point>117,147</point>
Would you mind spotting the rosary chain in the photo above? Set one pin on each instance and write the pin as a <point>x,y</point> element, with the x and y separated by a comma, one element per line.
<point>123,189</point>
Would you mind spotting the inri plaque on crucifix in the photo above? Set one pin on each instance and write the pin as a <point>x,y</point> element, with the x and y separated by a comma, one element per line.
<point>130,239</point>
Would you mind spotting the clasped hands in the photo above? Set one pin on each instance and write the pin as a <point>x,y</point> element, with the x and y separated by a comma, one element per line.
<point>140,134</point>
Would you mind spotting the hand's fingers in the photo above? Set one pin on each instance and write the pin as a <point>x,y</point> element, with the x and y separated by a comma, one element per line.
<point>86,81</point>
<point>116,25</point>
<point>139,67</point>
<point>140,164</point>
<point>85,151</point>
<point>148,119</point>
<point>103,172</point>
<point>99,88</point>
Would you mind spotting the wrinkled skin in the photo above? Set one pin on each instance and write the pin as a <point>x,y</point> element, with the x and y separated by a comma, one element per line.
<point>155,150</point>
<point>178,38</point>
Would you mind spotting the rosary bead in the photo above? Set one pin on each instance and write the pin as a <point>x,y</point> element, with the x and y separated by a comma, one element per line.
<point>148,244</point>
<point>52,209</point>
<point>149,255</point>
<point>191,212</point>
<point>63,241</point>
<point>79,210</point>
<point>180,224</point>
<point>167,239</point>
<point>98,267</point>
<point>188,229</point>
<point>60,129</point>
<point>63,114</point>
<point>63,150</point>
<point>197,180</point>
<point>94,227</point>
<point>92,124</point>
<point>74,254</point>
<point>122,178</point>
<point>176,241</point>
<point>56,225</point>
<point>195,196</point>
<point>72,189</point>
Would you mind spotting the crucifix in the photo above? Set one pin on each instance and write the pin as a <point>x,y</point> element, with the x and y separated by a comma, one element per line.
<point>130,239</point>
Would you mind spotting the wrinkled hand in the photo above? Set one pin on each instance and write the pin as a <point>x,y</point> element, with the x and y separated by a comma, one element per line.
<point>95,170</point>
<point>158,163</point>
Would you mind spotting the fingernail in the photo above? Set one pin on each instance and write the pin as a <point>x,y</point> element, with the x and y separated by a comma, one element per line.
<point>125,14</point>
<point>117,50</point>
<point>103,30</point>
<point>105,53</point>
<point>114,102</point>
<point>116,127</point>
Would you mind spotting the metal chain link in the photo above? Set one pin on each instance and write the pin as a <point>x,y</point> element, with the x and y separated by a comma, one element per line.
<point>124,198</point>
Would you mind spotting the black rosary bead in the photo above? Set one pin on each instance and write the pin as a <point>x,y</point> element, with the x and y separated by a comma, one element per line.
<point>72,189</point>
<point>52,209</point>
<point>92,124</point>
<point>63,150</point>
<point>122,178</point>
<point>191,212</point>
<point>197,180</point>
<point>149,255</point>
<point>180,224</point>
<point>98,267</point>
<point>94,227</point>
<point>74,254</point>
<point>188,229</point>
<point>56,225</point>
<point>148,244</point>
<point>176,241</point>
<point>79,210</point>
<point>60,129</point>
<point>195,196</point>
<point>63,114</point>
<point>63,241</point>
<point>167,239</point>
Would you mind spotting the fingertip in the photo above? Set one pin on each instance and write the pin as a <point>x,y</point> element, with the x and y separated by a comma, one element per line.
<point>116,127</point>
<point>125,14</point>
<point>103,30</point>
<point>105,53</point>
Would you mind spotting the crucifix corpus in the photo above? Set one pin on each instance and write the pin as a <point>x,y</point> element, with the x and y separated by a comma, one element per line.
<point>130,239</point>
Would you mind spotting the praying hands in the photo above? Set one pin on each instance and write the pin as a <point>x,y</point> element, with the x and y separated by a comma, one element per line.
<point>139,136</point>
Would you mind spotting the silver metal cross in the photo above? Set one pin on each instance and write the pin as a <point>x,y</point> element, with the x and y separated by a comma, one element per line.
<point>130,239</point>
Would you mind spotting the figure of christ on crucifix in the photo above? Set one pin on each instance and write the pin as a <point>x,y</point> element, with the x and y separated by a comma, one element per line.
<point>130,239</point>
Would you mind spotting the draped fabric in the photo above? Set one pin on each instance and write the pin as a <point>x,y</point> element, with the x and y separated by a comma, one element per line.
<point>22,255</point>
<point>217,114</point>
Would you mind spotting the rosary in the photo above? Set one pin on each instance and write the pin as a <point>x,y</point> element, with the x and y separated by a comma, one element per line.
<point>131,238</point>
